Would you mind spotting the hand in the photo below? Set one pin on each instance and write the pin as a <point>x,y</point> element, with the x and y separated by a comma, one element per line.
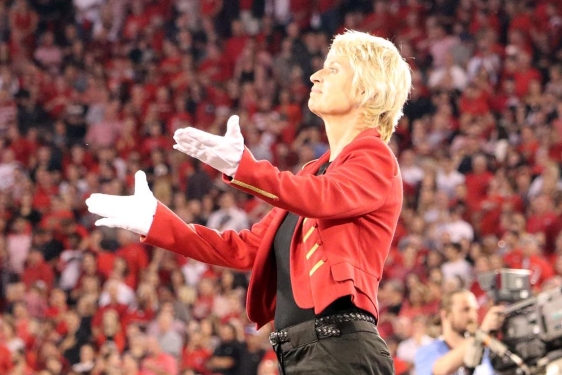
<point>493,319</point>
<point>134,212</point>
<point>221,153</point>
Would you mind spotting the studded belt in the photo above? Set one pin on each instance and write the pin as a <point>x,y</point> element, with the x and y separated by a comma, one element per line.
<point>325,326</point>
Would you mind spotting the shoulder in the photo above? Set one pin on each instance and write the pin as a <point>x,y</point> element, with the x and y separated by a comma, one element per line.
<point>369,150</point>
<point>369,141</point>
<point>427,355</point>
<point>436,347</point>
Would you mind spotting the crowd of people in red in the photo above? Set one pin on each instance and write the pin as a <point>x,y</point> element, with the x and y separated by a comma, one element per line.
<point>92,91</point>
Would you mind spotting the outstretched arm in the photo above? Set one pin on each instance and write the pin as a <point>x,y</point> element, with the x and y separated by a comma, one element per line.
<point>159,226</point>
<point>226,249</point>
<point>369,178</point>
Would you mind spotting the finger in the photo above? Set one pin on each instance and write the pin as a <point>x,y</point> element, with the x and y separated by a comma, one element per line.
<point>193,151</point>
<point>113,223</point>
<point>497,309</point>
<point>107,205</point>
<point>193,136</point>
<point>233,127</point>
<point>189,151</point>
<point>184,138</point>
<point>182,149</point>
<point>141,185</point>
<point>179,134</point>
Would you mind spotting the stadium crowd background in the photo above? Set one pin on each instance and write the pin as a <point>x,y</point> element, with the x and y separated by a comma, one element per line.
<point>92,90</point>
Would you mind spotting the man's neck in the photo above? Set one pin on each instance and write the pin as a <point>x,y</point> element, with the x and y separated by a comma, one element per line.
<point>341,131</point>
<point>452,338</point>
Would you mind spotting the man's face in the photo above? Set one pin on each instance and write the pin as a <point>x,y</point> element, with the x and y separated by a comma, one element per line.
<point>463,316</point>
<point>332,90</point>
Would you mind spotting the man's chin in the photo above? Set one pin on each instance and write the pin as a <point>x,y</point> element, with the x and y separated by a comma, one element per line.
<point>313,108</point>
<point>470,329</point>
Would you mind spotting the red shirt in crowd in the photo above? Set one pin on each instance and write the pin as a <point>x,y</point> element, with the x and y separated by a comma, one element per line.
<point>119,339</point>
<point>196,359</point>
<point>477,185</point>
<point>541,269</point>
<point>523,79</point>
<point>166,362</point>
<point>136,257</point>
<point>210,8</point>
<point>118,307</point>
<point>105,261</point>
<point>5,360</point>
<point>539,223</point>
<point>38,272</point>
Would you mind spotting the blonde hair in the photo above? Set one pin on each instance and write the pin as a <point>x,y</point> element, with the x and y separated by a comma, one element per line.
<point>382,79</point>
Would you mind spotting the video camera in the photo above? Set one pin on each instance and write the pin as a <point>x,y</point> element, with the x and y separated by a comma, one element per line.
<point>532,328</point>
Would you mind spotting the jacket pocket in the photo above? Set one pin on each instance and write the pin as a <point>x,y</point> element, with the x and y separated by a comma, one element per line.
<point>363,281</point>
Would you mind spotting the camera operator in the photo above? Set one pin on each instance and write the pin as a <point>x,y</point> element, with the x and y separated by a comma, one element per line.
<point>459,321</point>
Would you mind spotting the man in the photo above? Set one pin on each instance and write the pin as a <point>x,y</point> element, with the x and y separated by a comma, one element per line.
<point>227,356</point>
<point>459,319</point>
<point>317,258</point>
<point>157,362</point>
<point>228,216</point>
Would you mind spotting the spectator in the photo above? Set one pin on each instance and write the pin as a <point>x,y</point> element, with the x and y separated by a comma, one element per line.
<point>458,316</point>
<point>61,73</point>
<point>407,348</point>
<point>195,354</point>
<point>448,178</point>
<point>448,77</point>
<point>36,270</point>
<point>226,358</point>
<point>253,351</point>
<point>158,362</point>
<point>228,216</point>
<point>48,54</point>
<point>86,363</point>
<point>456,265</point>
<point>170,341</point>
<point>130,365</point>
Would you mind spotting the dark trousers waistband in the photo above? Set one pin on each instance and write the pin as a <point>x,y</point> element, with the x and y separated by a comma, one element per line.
<point>320,328</point>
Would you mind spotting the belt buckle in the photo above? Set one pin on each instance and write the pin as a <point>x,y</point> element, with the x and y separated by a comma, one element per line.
<point>277,337</point>
<point>273,338</point>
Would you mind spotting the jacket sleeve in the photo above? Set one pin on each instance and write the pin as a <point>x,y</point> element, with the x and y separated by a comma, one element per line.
<point>226,249</point>
<point>358,184</point>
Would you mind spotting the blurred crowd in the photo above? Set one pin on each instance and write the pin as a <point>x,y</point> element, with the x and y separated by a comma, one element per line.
<point>92,90</point>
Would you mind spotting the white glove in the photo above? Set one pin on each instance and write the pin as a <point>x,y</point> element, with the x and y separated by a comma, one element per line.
<point>222,153</point>
<point>133,212</point>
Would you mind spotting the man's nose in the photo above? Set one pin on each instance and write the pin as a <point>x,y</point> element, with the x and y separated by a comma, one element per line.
<point>316,77</point>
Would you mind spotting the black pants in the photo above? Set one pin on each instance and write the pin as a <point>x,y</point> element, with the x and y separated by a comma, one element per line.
<point>358,350</point>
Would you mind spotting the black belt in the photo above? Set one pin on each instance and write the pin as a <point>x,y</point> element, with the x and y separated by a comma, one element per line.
<point>326,326</point>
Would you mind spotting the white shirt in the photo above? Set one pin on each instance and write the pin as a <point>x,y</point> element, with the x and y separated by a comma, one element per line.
<point>408,348</point>
<point>7,175</point>
<point>412,175</point>
<point>458,230</point>
<point>192,271</point>
<point>125,296</point>
<point>279,9</point>
<point>460,268</point>
<point>18,246</point>
<point>232,218</point>
<point>491,63</point>
<point>458,76</point>
<point>448,181</point>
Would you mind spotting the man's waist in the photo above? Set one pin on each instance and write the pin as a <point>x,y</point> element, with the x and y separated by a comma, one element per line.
<point>324,326</point>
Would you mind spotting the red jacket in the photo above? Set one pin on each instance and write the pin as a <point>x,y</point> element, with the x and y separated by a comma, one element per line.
<point>348,219</point>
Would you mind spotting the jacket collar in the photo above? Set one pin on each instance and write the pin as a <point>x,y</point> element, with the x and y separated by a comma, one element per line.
<point>313,165</point>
